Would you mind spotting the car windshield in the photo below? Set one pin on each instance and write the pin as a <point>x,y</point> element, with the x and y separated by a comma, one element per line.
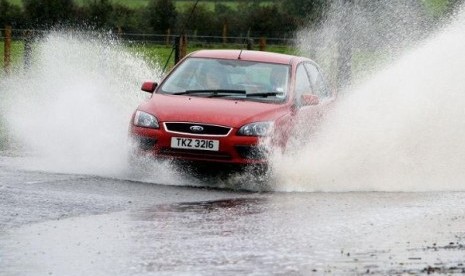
<point>207,77</point>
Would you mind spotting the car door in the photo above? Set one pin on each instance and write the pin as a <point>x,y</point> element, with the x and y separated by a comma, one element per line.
<point>318,83</point>
<point>312,97</point>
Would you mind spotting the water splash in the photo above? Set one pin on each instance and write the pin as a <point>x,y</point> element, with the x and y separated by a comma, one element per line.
<point>400,130</point>
<point>375,32</point>
<point>70,111</point>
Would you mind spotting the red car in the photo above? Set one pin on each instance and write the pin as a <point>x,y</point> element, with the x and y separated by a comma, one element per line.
<point>229,107</point>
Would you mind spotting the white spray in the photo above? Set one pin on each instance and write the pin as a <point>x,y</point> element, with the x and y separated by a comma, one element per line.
<point>402,130</point>
<point>70,112</point>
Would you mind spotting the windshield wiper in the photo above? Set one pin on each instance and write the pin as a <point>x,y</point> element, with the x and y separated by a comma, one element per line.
<point>212,92</point>
<point>264,94</point>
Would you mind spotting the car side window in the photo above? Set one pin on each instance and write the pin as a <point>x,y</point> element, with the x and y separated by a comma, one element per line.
<point>319,87</point>
<point>302,82</point>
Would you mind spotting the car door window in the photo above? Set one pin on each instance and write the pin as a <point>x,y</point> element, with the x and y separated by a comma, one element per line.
<point>302,82</point>
<point>319,87</point>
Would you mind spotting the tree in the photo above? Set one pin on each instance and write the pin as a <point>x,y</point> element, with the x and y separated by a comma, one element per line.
<point>47,13</point>
<point>9,14</point>
<point>305,10</point>
<point>127,19</point>
<point>270,21</point>
<point>162,15</point>
<point>235,18</point>
<point>200,19</point>
<point>99,13</point>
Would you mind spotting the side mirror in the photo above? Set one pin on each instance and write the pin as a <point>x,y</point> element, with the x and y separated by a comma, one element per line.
<point>149,86</point>
<point>310,100</point>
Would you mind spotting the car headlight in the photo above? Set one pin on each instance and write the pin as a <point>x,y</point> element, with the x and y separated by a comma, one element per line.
<point>143,119</point>
<point>256,129</point>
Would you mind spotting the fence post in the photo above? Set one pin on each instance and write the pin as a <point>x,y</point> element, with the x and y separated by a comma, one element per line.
<point>28,37</point>
<point>345,41</point>
<point>177,49</point>
<point>7,51</point>
<point>183,45</point>
<point>168,35</point>
<point>120,32</point>
<point>249,44</point>
<point>262,44</point>
<point>180,48</point>
<point>225,33</point>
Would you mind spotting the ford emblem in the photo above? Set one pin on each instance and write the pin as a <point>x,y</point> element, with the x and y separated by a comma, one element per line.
<point>196,128</point>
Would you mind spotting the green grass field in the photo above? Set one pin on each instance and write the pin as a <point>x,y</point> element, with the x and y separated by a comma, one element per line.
<point>160,54</point>
<point>435,6</point>
<point>143,3</point>
<point>151,52</point>
<point>17,53</point>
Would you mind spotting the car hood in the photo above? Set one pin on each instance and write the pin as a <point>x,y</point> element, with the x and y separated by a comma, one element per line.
<point>234,113</point>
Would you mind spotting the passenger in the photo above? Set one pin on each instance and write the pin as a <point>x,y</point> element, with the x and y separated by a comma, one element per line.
<point>212,79</point>
<point>278,80</point>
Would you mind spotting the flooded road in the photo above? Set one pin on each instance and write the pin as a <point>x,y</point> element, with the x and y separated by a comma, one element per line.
<point>389,159</point>
<point>65,224</point>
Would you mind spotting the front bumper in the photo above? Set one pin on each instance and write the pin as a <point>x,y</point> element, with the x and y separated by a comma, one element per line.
<point>233,149</point>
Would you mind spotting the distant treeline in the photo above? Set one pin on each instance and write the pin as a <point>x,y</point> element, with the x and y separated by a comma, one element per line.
<point>279,18</point>
<point>257,18</point>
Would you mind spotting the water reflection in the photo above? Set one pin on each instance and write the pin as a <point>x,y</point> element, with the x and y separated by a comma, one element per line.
<point>261,234</point>
<point>235,207</point>
<point>197,237</point>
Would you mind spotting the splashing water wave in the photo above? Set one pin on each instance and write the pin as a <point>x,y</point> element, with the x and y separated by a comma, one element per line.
<point>402,130</point>
<point>70,111</point>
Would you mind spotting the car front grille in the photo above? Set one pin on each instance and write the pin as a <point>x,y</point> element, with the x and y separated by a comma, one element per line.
<point>197,129</point>
<point>196,154</point>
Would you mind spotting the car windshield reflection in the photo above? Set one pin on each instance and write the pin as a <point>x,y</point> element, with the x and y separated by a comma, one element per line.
<point>206,77</point>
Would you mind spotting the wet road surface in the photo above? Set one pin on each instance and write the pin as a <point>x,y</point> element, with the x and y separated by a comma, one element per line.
<point>62,224</point>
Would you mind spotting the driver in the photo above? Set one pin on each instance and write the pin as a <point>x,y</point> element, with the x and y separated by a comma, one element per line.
<point>212,78</point>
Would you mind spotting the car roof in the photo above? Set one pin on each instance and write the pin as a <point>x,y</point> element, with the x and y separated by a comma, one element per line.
<point>248,55</point>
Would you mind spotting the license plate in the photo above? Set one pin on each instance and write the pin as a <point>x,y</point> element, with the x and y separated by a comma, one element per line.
<point>197,144</point>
